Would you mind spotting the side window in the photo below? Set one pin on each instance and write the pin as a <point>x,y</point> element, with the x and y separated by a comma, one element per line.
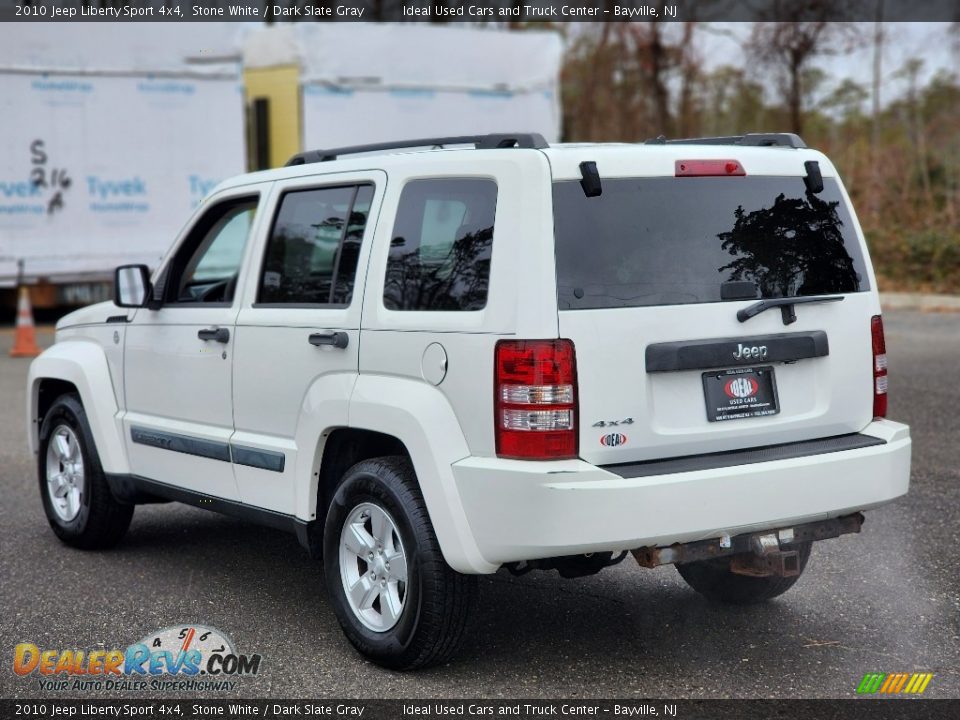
<point>311,256</point>
<point>442,242</point>
<point>208,265</point>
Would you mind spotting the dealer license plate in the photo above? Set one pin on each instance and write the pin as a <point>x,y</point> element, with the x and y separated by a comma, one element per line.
<point>740,393</point>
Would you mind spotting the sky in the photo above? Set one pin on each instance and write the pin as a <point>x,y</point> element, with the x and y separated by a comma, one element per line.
<point>720,45</point>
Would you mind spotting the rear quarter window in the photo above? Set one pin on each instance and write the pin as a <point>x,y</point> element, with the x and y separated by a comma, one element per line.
<point>670,241</point>
<point>441,245</point>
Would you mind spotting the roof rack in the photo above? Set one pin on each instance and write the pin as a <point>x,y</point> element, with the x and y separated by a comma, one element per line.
<point>790,140</point>
<point>480,142</point>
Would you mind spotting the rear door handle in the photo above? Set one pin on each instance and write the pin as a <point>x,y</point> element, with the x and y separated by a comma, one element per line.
<point>337,339</point>
<point>221,335</point>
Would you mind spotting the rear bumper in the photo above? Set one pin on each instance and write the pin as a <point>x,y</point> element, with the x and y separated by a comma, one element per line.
<point>521,510</point>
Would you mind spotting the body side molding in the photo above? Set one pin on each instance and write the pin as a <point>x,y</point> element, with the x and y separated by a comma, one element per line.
<point>213,449</point>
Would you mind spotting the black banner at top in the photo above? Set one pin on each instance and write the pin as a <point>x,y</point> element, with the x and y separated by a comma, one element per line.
<point>480,11</point>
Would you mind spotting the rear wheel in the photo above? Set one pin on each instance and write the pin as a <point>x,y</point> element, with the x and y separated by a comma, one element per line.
<point>714,580</point>
<point>397,600</point>
<point>76,499</point>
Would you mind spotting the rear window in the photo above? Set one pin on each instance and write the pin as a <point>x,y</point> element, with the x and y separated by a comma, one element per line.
<point>672,241</point>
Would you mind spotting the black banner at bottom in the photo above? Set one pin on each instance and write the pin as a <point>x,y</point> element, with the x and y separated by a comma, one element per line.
<point>893,708</point>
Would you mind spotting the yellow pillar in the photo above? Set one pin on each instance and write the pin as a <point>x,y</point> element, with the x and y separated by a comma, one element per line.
<point>280,87</point>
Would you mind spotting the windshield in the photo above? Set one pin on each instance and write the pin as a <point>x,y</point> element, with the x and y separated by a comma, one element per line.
<point>670,241</point>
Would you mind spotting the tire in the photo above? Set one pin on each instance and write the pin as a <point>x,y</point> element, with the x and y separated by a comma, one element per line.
<point>86,516</point>
<point>402,625</point>
<point>713,580</point>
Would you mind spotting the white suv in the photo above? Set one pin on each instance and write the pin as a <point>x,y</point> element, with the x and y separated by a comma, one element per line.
<point>441,357</point>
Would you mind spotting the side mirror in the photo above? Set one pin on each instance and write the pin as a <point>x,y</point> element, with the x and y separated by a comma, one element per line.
<point>131,286</point>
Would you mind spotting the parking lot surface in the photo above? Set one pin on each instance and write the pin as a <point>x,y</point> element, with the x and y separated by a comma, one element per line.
<point>887,600</point>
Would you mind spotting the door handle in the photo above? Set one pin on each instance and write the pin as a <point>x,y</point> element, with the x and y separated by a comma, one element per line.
<point>221,335</point>
<point>337,339</point>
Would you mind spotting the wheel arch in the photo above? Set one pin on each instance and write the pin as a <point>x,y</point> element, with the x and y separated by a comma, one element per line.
<point>342,449</point>
<point>339,449</point>
<point>397,416</point>
<point>78,367</point>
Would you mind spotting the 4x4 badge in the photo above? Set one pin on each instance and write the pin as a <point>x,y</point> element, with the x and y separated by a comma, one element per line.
<point>613,423</point>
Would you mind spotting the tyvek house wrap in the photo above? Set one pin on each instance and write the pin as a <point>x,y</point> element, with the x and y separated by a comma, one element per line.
<point>112,135</point>
<point>368,83</point>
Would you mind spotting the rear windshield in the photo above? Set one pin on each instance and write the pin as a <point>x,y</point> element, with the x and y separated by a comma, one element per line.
<point>671,241</point>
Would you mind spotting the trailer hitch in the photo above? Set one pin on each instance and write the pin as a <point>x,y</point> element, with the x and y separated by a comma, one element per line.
<point>784,564</point>
<point>759,554</point>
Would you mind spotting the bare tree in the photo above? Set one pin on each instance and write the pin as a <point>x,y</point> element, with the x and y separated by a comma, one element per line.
<point>689,77</point>
<point>916,125</point>
<point>789,48</point>
<point>873,205</point>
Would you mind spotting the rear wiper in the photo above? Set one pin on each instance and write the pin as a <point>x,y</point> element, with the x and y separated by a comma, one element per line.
<point>785,305</point>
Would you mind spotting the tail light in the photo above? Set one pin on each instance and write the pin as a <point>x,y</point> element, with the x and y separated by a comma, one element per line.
<point>879,367</point>
<point>535,406</point>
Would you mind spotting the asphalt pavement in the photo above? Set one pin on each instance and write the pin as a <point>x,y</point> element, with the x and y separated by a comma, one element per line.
<point>886,600</point>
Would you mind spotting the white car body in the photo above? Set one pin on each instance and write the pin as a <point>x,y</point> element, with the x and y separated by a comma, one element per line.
<point>269,391</point>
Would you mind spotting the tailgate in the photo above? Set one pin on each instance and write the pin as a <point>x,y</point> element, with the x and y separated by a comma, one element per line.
<point>651,301</point>
<point>664,413</point>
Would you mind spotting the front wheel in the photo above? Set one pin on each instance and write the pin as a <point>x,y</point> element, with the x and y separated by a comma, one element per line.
<point>76,499</point>
<point>715,581</point>
<point>397,600</point>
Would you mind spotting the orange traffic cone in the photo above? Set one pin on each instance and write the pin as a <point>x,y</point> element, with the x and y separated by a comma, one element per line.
<point>25,341</point>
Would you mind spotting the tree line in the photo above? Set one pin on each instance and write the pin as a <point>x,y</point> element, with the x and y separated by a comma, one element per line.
<point>895,139</point>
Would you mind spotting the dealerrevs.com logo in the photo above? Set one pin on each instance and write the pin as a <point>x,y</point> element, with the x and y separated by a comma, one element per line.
<point>177,658</point>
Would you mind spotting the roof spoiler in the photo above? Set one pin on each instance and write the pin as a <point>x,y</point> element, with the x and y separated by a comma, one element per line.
<point>790,140</point>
